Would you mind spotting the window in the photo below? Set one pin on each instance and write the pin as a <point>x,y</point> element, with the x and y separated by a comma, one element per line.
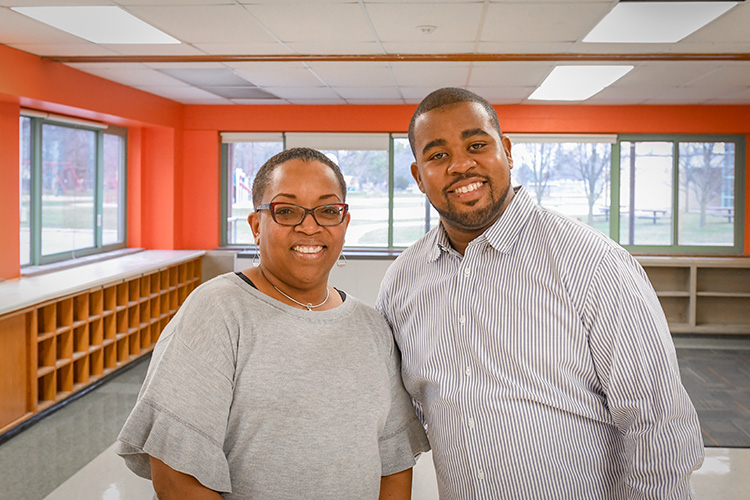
<point>569,174</point>
<point>651,194</point>
<point>72,189</point>
<point>413,215</point>
<point>25,188</point>
<point>241,157</point>
<point>680,194</point>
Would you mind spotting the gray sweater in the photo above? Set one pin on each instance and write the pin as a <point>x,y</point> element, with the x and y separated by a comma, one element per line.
<point>260,400</point>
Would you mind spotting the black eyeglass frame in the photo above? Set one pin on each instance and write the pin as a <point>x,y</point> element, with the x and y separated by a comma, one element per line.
<point>344,207</point>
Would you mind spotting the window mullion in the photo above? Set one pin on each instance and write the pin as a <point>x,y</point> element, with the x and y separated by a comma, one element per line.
<point>225,176</point>
<point>390,189</point>
<point>35,231</point>
<point>614,181</point>
<point>99,190</point>
<point>675,195</point>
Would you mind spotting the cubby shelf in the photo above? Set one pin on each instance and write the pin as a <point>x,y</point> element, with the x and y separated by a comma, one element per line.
<point>75,340</point>
<point>702,295</point>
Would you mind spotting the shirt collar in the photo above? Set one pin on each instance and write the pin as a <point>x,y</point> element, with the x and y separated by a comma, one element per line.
<point>501,235</point>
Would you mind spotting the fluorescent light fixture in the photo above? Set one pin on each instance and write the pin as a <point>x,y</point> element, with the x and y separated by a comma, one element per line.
<point>577,83</point>
<point>98,24</point>
<point>655,22</point>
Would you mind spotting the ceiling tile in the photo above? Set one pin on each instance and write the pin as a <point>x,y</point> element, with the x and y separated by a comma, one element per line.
<point>93,66</point>
<point>503,95</point>
<point>266,27</point>
<point>188,95</point>
<point>429,47</point>
<point>511,47</point>
<point>414,94</point>
<point>692,95</point>
<point>437,74</point>
<point>305,102</point>
<point>241,93</point>
<point>325,22</point>
<point>665,74</point>
<point>542,22</point>
<point>154,50</point>
<point>453,22</point>
<point>739,97</point>
<point>63,49</point>
<point>169,2</point>
<point>302,92</point>
<point>349,74</point>
<point>43,3</point>
<point>273,74</point>
<point>255,48</point>
<point>513,74</point>
<point>624,95</point>
<point>202,77</point>
<point>731,27</point>
<point>288,3</point>
<point>183,65</point>
<point>317,47</point>
<point>263,102</point>
<point>725,75</point>
<point>137,77</point>
<point>16,28</point>
<point>715,47</point>
<point>373,101</point>
<point>369,93</point>
<point>204,23</point>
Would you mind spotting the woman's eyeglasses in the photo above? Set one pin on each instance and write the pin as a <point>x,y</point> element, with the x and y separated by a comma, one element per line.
<point>289,214</point>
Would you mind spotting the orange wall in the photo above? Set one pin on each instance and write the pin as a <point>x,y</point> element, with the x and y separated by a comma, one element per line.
<point>9,190</point>
<point>30,82</point>
<point>204,123</point>
<point>158,188</point>
<point>200,189</point>
<point>173,149</point>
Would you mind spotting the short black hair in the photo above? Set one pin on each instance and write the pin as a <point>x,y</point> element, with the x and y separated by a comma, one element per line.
<point>263,177</point>
<point>445,96</point>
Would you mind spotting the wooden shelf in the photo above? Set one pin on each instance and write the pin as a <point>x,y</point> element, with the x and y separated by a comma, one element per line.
<point>65,344</point>
<point>700,295</point>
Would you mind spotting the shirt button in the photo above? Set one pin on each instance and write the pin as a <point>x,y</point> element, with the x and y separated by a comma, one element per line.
<point>462,319</point>
<point>467,271</point>
<point>480,475</point>
<point>471,423</point>
<point>468,371</point>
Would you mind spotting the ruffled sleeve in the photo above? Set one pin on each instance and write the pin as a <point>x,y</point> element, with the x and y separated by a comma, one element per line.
<point>182,411</point>
<point>403,438</point>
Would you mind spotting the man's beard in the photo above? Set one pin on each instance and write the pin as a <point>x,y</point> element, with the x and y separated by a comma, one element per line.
<point>476,219</point>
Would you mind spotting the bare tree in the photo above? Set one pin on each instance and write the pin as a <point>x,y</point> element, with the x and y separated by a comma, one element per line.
<point>701,172</point>
<point>536,166</point>
<point>590,162</point>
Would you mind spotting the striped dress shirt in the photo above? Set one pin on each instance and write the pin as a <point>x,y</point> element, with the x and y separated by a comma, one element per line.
<point>541,364</point>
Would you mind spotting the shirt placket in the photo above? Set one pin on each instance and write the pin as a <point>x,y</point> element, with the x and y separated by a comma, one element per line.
<point>464,329</point>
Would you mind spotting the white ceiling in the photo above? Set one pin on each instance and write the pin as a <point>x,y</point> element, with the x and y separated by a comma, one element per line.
<point>386,27</point>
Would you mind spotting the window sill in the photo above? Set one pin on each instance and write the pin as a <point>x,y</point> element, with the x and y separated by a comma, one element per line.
<point>29,271</point>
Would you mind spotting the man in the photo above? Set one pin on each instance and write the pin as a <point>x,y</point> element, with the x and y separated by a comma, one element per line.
<point>534,347</point>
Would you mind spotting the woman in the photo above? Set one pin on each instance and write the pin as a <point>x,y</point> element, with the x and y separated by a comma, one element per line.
<point>269,383</point>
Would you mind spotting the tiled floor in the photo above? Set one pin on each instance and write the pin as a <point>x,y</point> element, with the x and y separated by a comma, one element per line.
<point>69,455</point>
<point>718,382</point>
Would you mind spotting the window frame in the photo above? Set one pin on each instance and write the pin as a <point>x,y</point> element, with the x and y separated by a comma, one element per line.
<point>615,140</point>
<point>228,138</point>
<point>676,248</point>
<point>37,121</point>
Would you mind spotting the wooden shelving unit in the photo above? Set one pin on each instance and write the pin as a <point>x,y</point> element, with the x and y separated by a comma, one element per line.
<point>699,295</point>
<point>77,339</point>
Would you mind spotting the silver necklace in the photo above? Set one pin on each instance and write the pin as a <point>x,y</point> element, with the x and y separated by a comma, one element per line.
<point>309,305</point>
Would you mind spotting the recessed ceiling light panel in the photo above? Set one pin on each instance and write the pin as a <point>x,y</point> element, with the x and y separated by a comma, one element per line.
<point>655,22</point>
<point>98,24</point>
<point>577,83</point>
